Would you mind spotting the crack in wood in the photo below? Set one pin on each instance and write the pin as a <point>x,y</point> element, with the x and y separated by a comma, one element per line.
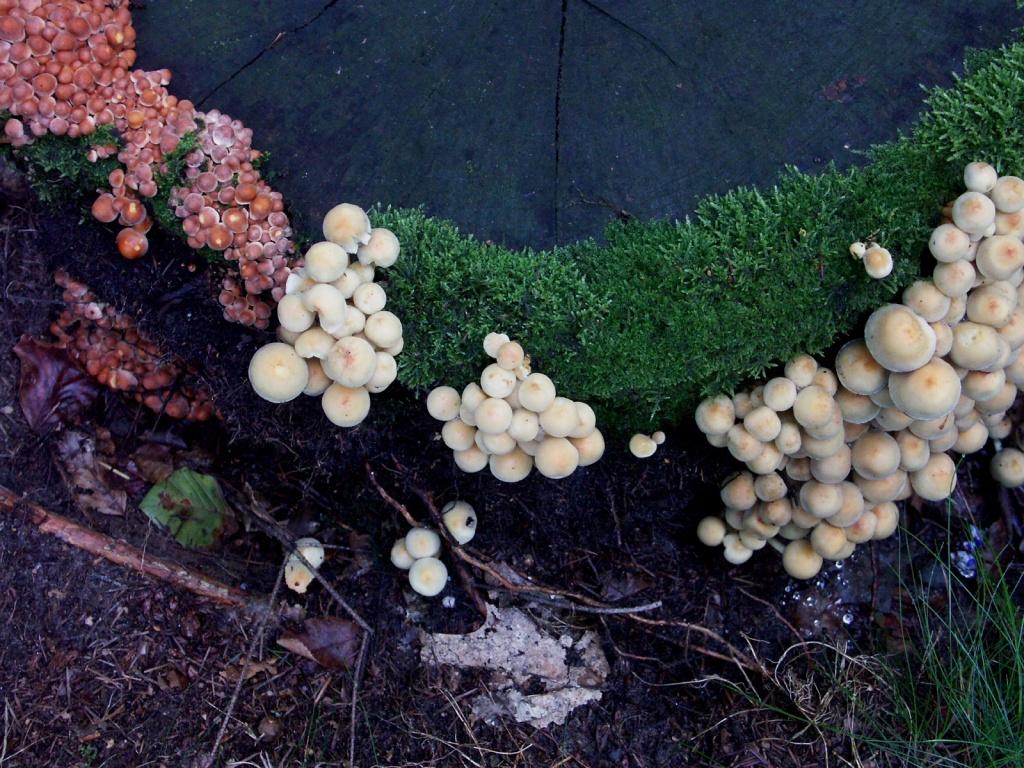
<point>273,43</point>
<point>625,25</point>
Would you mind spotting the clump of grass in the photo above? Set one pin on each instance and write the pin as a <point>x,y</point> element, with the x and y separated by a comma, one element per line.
<point>665,312</point>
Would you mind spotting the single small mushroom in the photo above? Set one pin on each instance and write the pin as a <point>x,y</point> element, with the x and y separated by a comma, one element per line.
<point>980,177</point>
<point>277,373</point>
<point>800,559</point>
<point>318,380</point>
<point>974,212</point>
<point>560,418</point>
<point>1007,468</point>
<point>814,408</point>
<point>586,422</point>
<point>1008,194</point>
<point>460,520</point>
<point>832,469</point>
<point>443,403</point>
<point>711,531</point>
<point>930,392</point>
<point>458,435</point>
<point>524,425</point>
<point>494,342</point>
<point>800,370</point>
<point>770,487</point>
<point>428,576</point>
<point>999,256</point>
<point>828,540</point>
<point>763,423</point>
<point>642,446</point>
<point>345,406</point>
<point>384,374</point>
<point>296,575</point>
<point>887,520</point>
<point>878,262</point>
<point>821,499</point>
<point>954,279</point>
<point>738,492</point>
<point>976,347</point>
<point>400,557</point>
<point>735,551</point>
<point>926,300</point>
<point>422,542</point>
<point>381,249</point>
<point>658,437</point>
<point>314,342</point>
<point>495,381</point>
<point>779,394</point>
<point>347,225</point>
<point>325,262</point>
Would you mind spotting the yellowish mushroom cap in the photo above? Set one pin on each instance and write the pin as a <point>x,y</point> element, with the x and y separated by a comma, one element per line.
<point>381,249</point>
<point>443,403</point>
<point>954,279</point>
<point>930,392</point>
<point>511,467</point>
<point>470,460</point>
<point>980,177</point>
<point>277,373</point>
<point>369,298</point>
<point>878,262</point>
<point>345,406</point>
<point>642,446</point>
<point>493,416</point>
<point>556,458</point>
<point>801,369</point>
<point>460,519</point>
<point>315,342</point>
<point>936,480</point>
<point>384,329</point>
<point>400,557</point>
<point>887,519</point>
<point>711,531</point>
<point>428,576</point>
<point>1008,194</point>
<point>458,435</point>
<point>560,418</point>
<point>898,338</point>
<point>384,374</point>
<point>715,415</point>
<point>828,540</point>
<point>536,392</point>
<point>347,225</point>
<point>325,262</point>
<point>493,342</point>
<point>1007,468</point>
<point>974,213</point>
<point>926,300</point>
<point>800,560</point>
<point>318,380</point>
<point>293,315</point>
<point>948,243</point>
<point>351,362</point>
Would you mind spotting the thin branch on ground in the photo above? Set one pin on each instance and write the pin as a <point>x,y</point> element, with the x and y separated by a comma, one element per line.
<point>124,554</point>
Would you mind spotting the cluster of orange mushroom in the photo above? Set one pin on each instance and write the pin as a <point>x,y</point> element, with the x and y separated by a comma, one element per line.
<point>109,346</point>
<point>65,69</point>
<point>935,373</point>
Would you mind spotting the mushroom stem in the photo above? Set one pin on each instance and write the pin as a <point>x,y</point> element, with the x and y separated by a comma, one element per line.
<point>776,545</point>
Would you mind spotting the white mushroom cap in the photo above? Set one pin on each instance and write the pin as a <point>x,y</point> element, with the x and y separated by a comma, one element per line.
<point>878,262</point>
<point>369,298</point>
<point>288,337</point>
<point>914,451</point>
<point>989,305</point>
<point>858,371</point>
<point>560,419</point>
<point>711,531</point>
<point>734,550</point>
<point>590,448</point>
<point>345,406</point>
<point>643,447</point>
<point>898,338</point>
<point>975,346</point>
<point>536,392</point>
<point>875,455</point>
<point>524,425</point>
<point>1007,468</point>
<point>351,362</point>
<point>384,329</point>
<point>828,540</point>
<point>586,421</point>
<point>887,489</point>
<point>763,423</point>
<point>800,560</point>
<point>384,374</point>
<point>853,506</point>
<point>348,226</point>
<point>318,380</point>
<point>801,369</point>
<point>936,480</point>
<point>293,315</point>
<point>325,262</point>
<point>742,404</point>
<point>458,435</point>
<point>493,342</point>
<point>974,213</point>
<point>972,439</point>
<point>348,282</point>
<point>1013,331</point>
<point>365,272</point>
<point>957,310</point>
<point>277,373</point>
<point>510,355</point>
<point>798,469</point>
<point>381,249</point>
<point>930,392</point>
<point>821,499</point>
<point>999,256</point>
<point>863,530</point>
<point>298,281</point>
<point>400,557</point>
<point>779,394</point>
<point>422,542</point>
<point>980,177</point>
<point>789,440</point>
<point>428,576</point>
<point>511,467</point>
<point>443,403</point>
<point>470,460</point>
<point>741,444</point>
<point>769,460</point>
<point>984,385</point>
<point>1008,194</point>
<point>497,382</point>
<point>715,415</point>
<point>315,342</point>
<point>460,519</point>
<point>948,243</point>
<point>856,409</point>
<point>328,303</point>
<point>1010,224</point>
<point>954,279</point>
<point>296,575</point>
<point>826,379</point>
<point>833,469</point>
<point>493,416</point>
<point>556,458</point>
<point>814,408</point>
<point>926,300</point>
<point>993,408</point>
<point>887,519</point>
<point>738,492</point>
<point>857,250</point>
<point>770,487</point>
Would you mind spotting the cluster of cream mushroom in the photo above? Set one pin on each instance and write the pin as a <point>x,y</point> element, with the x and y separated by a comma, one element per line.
<point>513,420</point>
<point>336,340</point>
<point>418,551</point>
<point>933,374</point>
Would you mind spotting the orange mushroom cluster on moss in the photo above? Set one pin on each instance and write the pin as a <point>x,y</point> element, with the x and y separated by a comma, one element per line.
<point>336,340</point>
<point>65,69</point>
<point>109,346</point>
<point>513,420</point>
<point>934,374</point>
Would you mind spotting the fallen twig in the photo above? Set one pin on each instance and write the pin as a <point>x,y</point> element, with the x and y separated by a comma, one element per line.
<point>123,553</point>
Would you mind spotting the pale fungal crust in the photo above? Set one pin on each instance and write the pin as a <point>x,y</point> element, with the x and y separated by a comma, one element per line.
<point>277,373</point>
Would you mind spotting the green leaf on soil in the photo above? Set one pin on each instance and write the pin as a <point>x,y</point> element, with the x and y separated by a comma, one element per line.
<point>190,506</point>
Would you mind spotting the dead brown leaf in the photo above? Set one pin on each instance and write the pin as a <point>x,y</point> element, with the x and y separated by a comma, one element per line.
<point>51,390</point>
<point>331,642</point>
<point>89,482</point>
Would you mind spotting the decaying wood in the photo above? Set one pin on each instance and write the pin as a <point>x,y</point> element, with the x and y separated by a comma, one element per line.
<point>124,554</point>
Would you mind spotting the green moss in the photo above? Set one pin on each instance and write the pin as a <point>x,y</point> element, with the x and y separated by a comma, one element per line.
<point>59,169</point>
<point>665,312</point>
<point>172,175</point>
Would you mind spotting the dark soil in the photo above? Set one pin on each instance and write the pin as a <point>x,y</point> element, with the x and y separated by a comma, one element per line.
<point>102,667</point>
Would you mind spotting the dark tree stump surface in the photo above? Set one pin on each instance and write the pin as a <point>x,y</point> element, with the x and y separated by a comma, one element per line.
<point>533,121</point>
